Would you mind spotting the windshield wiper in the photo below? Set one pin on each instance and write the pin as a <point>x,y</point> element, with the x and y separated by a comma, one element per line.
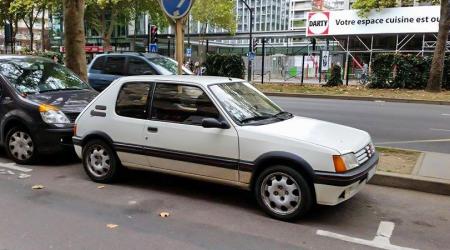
<point>283,114</point>
<point>54,90</point>
<point>255,118</point>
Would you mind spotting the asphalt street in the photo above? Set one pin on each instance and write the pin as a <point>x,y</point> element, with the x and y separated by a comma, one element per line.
<point>403,125</point>
<point>71,212</point>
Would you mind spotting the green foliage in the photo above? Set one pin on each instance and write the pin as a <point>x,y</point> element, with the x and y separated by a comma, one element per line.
<point>224,65</point>
<point>217,13</point>
<point>365,6</point>
<point>390,70</point>
<point>335,76</point>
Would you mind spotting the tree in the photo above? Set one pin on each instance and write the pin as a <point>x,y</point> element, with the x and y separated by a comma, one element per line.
<point>28,11</point>
<point>74,37</point>
<point>437,65</point>
<point>7,16</point>
<point>215,13</point>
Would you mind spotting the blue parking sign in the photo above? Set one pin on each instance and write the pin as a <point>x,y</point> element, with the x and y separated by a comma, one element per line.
<point>176,8</point>
<point>189,52</point>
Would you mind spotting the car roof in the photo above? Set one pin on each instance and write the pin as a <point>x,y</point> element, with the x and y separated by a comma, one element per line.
<point>24,58</point>
<point>146,55</point>
<point>198,80</point>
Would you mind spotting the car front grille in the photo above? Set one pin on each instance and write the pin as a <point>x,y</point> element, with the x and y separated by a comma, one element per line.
<point>72,116</point>
<point>365,153</point>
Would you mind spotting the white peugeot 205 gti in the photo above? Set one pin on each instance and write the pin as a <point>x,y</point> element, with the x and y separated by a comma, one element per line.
<point>223,130</point>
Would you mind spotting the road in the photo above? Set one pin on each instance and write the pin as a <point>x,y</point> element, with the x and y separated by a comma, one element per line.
<point>404,125</point>
<point>71,212</point>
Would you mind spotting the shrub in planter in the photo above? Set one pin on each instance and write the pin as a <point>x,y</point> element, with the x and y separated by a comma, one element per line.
<point>224,65</point>
<point>335,78</point>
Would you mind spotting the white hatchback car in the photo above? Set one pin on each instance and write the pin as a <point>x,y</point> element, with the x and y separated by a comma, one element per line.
<point>223,130</point>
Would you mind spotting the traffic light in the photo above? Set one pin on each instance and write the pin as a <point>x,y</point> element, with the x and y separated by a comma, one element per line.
<point>255,44</point>
<point>313,42</point>
<point>153,34</point>
<point>8,33</point>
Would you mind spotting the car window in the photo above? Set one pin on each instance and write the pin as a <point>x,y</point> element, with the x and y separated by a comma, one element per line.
<point>182,104</point>
<point>98,65</point>
<point>114,65</point>
<point>132,100</point>
<point>137,66</point>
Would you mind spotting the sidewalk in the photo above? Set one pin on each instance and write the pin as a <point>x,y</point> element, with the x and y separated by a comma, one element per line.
<point>431,175</point>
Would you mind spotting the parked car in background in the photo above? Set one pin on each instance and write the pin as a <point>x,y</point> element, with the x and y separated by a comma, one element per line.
<point>40,101</point>
<point>106,68</point>
<point>223,130</point>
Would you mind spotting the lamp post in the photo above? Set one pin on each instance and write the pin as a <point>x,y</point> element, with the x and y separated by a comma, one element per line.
<point>250,46</point>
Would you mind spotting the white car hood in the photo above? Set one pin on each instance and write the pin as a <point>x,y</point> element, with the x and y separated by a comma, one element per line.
<point>338,137</point>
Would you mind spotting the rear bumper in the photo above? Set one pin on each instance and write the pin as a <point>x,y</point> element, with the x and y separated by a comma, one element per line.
<point>334,188</point>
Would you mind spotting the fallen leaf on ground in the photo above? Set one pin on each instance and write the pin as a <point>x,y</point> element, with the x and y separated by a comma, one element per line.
<point>38,187</point>
<point>164,214</point>
<point>100,187</point>
<point>112,226</point>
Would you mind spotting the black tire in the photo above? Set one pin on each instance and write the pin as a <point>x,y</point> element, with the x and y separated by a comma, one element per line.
<point>31,155</point>
<point>115,169</point>
<point>304,193</point>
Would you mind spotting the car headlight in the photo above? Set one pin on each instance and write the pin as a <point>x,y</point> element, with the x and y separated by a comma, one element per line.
<point>344,162</point>
<point>52,115</point>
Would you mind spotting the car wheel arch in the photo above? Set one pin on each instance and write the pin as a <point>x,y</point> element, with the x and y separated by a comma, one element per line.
<point>97,135</point>
<point>10,123</point>
<point>283,158</point>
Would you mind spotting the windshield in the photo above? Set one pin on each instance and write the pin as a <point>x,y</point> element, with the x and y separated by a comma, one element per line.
<point>245,104</point>
<point>37,76</point>
<point>167,66</point>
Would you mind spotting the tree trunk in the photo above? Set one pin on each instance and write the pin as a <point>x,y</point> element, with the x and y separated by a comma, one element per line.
<point>437,65</point>
<point>43,29</point>
<point>106,37</point>
<point>30,29</point>
<point>74,41</point>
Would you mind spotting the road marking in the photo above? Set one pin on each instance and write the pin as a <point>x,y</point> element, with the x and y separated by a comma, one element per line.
<point>381,240</point>
<point>416,141</point>
<point>445,114</point>
<point>440,129</point>
<point>14,166</point>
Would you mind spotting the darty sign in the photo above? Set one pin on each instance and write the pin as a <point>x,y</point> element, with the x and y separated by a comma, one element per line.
<point>423,19</point>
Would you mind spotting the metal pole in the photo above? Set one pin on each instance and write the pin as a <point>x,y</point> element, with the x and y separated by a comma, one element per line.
<point>346,61</point>
<point>189,31</point>
<point>371,52</point>
<point>168,46</point>
<point>303,67</point>
<point>263,57</point>
<point>320,66</point>
<point>250,47</point>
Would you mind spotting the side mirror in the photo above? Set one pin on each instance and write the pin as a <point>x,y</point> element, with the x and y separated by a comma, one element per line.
<point>214,123</point>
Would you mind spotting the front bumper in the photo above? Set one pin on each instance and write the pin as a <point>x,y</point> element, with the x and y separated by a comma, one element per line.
<point>334,188</point>
<point>52,140</point>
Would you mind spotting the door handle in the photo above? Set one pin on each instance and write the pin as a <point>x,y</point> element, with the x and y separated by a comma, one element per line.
<point>152,129</point>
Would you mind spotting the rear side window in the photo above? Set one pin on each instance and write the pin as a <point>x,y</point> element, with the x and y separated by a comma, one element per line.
<point>98,65</point>
<point>133,101</point>
<point>182,104</point>
<point>137,66</point>
<point>114,65</point>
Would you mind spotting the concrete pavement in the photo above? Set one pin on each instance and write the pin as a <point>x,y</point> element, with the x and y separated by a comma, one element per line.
<point>72,213</point>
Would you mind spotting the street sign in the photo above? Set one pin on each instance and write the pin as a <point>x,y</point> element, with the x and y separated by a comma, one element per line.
<point>176,9</point>
<point>189,52</point>
<point>251,56</point>
<point>325,60</point>
<point>153,48</point>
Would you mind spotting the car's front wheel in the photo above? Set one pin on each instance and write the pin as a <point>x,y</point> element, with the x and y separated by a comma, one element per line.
<point>283,193</point>
<point>100,162</point>
<point>20,145</point>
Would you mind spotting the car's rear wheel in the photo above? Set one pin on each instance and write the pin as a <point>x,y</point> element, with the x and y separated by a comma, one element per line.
<point>283,193</point>
<point>101,162</point>
<point>20,145</point>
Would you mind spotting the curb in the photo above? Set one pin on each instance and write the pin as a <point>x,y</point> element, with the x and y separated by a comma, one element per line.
<point>417,183</point>
<point>356,98</point>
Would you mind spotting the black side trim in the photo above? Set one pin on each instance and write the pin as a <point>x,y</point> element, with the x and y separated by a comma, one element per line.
<point>210,160</point>
<point>349,177</point>
<point>97,113</point>
<point>100,107</point>
<point>77,141</point>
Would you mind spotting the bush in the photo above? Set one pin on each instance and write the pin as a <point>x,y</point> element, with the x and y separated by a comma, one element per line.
<point>335,76</point>
<point>391,70</point>
<point>224,65</point>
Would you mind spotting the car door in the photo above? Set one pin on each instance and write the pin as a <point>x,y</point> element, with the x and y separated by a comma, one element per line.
<point>176,141</point>
<point>128,122</point>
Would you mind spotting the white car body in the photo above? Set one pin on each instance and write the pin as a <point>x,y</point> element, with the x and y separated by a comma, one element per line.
<point>232,156</point>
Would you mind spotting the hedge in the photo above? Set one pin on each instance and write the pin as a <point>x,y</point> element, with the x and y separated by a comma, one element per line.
<point>224,65</point>
<point>391,70</point>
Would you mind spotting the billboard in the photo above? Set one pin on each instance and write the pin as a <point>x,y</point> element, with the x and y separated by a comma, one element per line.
<point>422,19</point>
